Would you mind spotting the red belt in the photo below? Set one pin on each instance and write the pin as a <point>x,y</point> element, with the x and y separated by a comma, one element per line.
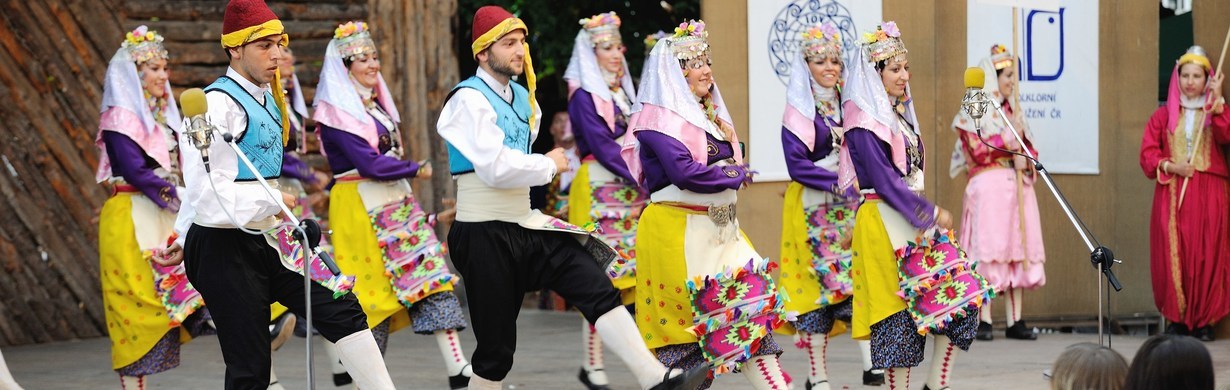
<point>870,196</point>
<point>345,179</point>
<point>687,206</point>
<point>124,188</point>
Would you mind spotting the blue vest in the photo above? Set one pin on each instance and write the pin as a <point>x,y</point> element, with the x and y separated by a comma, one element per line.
<point>262,140</point>
<point>513,119</point>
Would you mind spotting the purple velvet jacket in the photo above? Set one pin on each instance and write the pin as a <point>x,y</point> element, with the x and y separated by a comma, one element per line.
<point>593,136</point>
<point>800,162</point>
<point>665,161</point>
<point>875,171</point>
<point>130,162</point>
<point>347,151</point>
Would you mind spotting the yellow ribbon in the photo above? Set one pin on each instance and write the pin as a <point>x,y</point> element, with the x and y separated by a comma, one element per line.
<point>488,38</point>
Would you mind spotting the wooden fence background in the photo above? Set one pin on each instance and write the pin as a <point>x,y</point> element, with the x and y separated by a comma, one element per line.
<point>54,55</point>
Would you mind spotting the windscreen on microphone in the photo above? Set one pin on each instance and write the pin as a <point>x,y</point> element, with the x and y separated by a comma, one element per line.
<point>193,101</point>
<point>974,78</point>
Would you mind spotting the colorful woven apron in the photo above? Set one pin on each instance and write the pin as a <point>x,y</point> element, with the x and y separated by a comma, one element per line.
<point>413,257</point>
<point>178,296</point>
<point>825,225</point>
<point>733,311</point>
<point>292,253</point>
<point>938,281</point>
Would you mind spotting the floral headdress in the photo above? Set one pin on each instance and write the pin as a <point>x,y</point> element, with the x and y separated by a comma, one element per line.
<point>822,41</point>
<point>691,40</point>
<point>652,39</point>
<point>354,40</point>
<point>884,43</point>
<point>603,29</point>
<point>1000,57</point>
<point>144,45</point>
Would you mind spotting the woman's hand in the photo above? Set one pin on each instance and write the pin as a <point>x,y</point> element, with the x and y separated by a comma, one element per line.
<point>424,172</point>
<point>943,219</point>
<point>1181,169</point>
<point>171,256</point>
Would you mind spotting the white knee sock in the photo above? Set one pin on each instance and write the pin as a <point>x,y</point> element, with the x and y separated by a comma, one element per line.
<point>6,378</point>
<point>942,359</point>
<point>817,349</point>
<point>132,382</point>
<point>593,355</point>
<point>273,381</point>
<point>765,373</point>
<point>898,378</point>
<point>985,314</point>
<point>478,383</point>
<point>335,362</point>
<point>362,358</point>
<point>454,358</point>
<point>864,346</point>
<point>618,331</point>
<point>1014,308</point>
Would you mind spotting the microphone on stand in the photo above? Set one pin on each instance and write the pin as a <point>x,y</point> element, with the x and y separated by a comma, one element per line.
<point>199,131</point>
<point>975,102</point>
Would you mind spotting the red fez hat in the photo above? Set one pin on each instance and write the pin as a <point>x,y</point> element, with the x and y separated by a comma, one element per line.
<point>241,14</point>
<point>486,18</point>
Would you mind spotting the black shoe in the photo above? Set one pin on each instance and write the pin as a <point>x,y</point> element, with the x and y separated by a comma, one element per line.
<point>925,387</point>
<point>1178,329</point>
<point>584,377</point>
<point>282,328</point>
<point>984,332</point>
<point>1019,331</point>
<point>689,379</point>
<point>342,379</point>
<point>807,385</point>
<point>870,378</point>
<point>1204,333</point>
<point>459,381</point>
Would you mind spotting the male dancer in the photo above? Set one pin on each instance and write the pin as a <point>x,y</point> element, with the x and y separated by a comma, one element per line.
<point>503,249</point>
<point>242,274</point>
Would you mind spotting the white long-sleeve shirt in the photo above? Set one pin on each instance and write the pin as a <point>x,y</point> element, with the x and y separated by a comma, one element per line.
<point>468,122</point>
<point>247,201</point>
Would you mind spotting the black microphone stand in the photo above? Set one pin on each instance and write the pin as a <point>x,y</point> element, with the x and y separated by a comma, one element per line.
<point>1100,256</point>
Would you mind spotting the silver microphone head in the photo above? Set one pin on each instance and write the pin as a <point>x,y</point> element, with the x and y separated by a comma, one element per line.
<point>975,103</point>
<point>201,133</point>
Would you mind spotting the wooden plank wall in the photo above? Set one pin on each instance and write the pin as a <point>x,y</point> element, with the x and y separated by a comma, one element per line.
<point>53,55</point>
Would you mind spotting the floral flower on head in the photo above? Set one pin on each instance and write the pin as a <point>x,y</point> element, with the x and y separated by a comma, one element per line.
<point>821,41</point>
<point>890,28</point>
<point>695,28</point>
<point>348,29</point>
<point>652,39</point>
<point>601,20</point>
<point>690,40</point>
<point>144,44</point>
<point>884,43</point>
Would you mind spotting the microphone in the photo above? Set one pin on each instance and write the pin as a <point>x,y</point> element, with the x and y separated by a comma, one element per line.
<point>200,132</point>
<point>312,229</point>
<point>975,102</point>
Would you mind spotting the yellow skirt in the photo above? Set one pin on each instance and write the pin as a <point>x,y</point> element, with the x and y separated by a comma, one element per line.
<point>663,307</point>
<point>874,270</point>
<point>797,279</point>
<point>357,253</point>
<point>136,319</point>
<point>580,203</point>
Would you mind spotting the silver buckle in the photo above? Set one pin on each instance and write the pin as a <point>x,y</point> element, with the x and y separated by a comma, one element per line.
<point>722,215</point>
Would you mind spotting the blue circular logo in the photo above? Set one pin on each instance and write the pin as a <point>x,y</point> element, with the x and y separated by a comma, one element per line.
<point>785,35</point>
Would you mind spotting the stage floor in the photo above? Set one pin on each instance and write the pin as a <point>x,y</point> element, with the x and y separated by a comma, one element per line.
<point>548,358</point>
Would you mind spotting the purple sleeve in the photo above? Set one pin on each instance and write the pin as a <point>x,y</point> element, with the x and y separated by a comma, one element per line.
<point>591,130</point>
<point>800,166</point>
<point>297,169</point>
<point>128,162</point>
<point>684,172</point>
<point>871,164</point>
<point>367,161</point>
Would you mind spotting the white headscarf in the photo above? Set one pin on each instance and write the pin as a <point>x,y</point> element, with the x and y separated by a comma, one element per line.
<point>124,110</point>
<point>584,73</point>
<point>338,105</point>
<point>866,105</point>
<point>800,114</point>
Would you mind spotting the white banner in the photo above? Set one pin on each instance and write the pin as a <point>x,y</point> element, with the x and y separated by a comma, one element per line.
<point>1058,75</point>
<point>774,28</point>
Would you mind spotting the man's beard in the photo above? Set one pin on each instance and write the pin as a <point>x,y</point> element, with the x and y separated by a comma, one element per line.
<point>502,66</point>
